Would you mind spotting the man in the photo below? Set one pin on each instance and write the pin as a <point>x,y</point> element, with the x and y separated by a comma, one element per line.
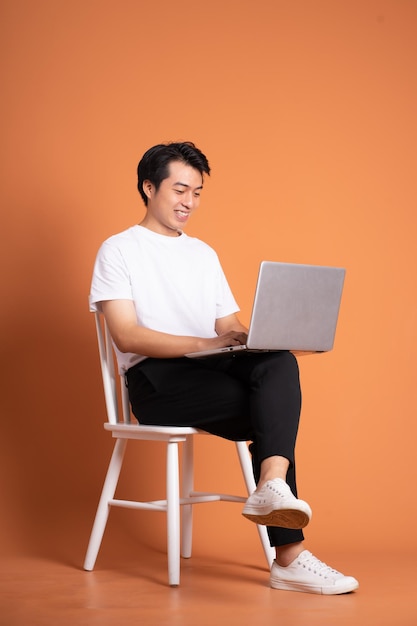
<point>164,295</point>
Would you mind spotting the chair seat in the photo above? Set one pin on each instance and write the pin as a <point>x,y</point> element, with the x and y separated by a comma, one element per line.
<point>157,433</point>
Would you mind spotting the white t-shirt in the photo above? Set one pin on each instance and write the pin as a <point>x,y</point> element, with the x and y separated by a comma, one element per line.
<point>176,283</point>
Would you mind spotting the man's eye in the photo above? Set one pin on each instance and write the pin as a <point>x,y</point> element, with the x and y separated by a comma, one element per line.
<point>180,191</point>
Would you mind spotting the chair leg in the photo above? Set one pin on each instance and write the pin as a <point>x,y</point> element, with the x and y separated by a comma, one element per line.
<point>173,514</point>
<point>187,488</point>
<point>103,509</point>
<point>246,465</point>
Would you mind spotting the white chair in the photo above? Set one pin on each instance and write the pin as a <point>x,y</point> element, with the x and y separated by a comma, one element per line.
<point>122,430</point>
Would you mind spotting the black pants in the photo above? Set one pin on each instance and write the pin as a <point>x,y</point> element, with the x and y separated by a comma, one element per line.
<point>244,397</point>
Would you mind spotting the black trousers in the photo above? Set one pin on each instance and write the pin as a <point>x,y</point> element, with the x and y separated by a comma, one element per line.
<point>252,397</point>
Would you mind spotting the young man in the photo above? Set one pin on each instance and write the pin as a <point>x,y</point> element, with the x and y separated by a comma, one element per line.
<point>163,295</point>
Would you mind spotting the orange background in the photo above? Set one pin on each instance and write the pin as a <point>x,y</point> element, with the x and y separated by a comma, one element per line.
<point>307,112</point>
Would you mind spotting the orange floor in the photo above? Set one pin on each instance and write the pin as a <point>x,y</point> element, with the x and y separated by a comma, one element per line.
<point>129,586</point>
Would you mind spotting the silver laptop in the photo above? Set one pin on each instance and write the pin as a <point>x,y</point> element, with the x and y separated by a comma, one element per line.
<point>295,308</point>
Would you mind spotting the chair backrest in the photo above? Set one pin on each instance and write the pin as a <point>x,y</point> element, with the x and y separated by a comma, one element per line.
<point>115,414</point>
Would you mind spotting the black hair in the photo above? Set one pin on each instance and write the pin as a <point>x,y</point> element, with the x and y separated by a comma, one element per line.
<point>154,165</point>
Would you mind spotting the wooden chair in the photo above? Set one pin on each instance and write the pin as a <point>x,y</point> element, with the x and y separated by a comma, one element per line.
<point>120,425</point>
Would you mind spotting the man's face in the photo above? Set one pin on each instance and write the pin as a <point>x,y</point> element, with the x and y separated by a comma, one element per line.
<point>170,207</point>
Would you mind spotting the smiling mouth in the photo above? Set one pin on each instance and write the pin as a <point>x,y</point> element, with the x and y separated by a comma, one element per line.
<point>182,213</point>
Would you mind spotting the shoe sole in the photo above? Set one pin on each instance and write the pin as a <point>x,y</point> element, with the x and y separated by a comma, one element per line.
<point>282,585</point>
<point>284,518</point>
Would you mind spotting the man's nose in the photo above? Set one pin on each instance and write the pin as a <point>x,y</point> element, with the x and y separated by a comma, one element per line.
<point>188,200</point>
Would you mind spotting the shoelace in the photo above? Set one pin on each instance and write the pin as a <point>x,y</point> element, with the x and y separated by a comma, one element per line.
<point>281,489</point>
<point>313,564</point>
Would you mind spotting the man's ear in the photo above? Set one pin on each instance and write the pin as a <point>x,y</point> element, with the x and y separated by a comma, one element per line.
<point>148,188</point>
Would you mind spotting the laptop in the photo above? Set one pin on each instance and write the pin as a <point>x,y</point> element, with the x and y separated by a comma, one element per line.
<point>295,308</point>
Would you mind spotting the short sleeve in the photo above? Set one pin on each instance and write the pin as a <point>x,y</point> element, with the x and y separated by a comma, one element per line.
<point>111,278</point>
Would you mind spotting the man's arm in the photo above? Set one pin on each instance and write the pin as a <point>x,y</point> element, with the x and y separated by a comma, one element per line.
<point>230,323</point>
<point>130,337</point>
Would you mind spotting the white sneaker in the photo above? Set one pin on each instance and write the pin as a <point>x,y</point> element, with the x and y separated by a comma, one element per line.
<point>274,504</point>
<point>306,573</point>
